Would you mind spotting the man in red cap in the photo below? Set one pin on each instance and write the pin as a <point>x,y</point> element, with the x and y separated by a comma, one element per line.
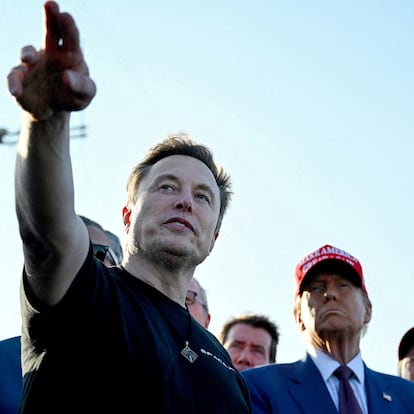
<point>406,355</point>
<point>332,310</point>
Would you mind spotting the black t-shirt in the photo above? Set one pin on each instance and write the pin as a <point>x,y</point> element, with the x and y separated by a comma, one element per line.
<point>113,345</point>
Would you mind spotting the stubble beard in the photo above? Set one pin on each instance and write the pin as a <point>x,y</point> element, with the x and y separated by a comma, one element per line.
<point>170,257</point>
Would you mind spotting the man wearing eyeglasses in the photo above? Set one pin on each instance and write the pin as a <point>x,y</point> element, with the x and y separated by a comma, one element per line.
<point>196,301</point>
<point>112,339</point>
<point>105,244</point>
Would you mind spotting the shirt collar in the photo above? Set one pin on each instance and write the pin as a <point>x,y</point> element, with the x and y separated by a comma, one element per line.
<point>328,365</point>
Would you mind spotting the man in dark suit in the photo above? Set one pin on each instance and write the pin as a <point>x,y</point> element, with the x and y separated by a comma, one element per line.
<point>332,310</point>
<point>10,375</point>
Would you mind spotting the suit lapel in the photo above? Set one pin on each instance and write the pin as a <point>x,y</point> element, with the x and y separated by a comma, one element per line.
<point>380,395</point>
<point>309,390</point>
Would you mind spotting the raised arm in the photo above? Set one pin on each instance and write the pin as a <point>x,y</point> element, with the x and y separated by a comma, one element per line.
<point>48,84</point>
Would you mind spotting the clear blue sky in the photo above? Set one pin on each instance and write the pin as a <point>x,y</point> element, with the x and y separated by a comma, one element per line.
<point>308,105</point>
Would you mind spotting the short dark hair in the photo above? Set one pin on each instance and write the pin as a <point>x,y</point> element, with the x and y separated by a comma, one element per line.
<point>181,144</point>
<point>257,321</point>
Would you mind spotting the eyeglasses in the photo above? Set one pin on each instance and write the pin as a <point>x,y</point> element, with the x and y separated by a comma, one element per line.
<point>100,251</point>
<point>191,297</point>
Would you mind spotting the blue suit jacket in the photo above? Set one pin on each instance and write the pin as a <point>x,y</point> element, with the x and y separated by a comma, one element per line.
<point>10,375</point>
<point>298,388</point>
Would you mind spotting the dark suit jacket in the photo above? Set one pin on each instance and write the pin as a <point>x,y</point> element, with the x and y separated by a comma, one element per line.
<point>10,375</point>
<point>298,388</point>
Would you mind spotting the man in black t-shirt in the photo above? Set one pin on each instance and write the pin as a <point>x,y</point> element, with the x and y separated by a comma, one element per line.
<point>106,247</point>
<point>119,339</point>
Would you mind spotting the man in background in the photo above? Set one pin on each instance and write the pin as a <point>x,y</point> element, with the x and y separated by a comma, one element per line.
<point>406,356</point>
<point>332,311</point>
<point>106,245</point>
<point>251,340</point>
<point>10,375</point>
<point>196,301</point>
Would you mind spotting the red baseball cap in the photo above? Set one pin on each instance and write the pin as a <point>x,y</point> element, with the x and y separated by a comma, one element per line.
<point>328,258</point>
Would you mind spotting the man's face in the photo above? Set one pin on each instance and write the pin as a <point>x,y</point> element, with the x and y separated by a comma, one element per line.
<point>248,346</point>
<point>195,304</point>
<point>332,306</point>
<point>407,365</point>
<point>176,212</point>
<point>101,246</point>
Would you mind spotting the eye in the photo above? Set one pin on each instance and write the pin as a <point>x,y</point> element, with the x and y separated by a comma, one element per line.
<point>166,187</point>
<point>203,197</point>
<point>235,345</point>
<point>259,352</point>
<point>315,287</point>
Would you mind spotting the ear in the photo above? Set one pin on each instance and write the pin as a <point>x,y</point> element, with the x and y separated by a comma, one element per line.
<point>300,323</point>
<point>213,242</point>
<point>298,317</point>
<point>368,313</point>
<point>126,218</point>
<point>207,321</point>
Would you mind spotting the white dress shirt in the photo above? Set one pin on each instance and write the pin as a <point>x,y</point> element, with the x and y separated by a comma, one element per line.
<point>327,366</point>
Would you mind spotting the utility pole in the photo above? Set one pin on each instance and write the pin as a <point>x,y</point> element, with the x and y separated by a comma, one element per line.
<point>6,133</point>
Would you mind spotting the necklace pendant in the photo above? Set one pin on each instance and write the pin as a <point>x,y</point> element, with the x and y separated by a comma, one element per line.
<point>188,353</point>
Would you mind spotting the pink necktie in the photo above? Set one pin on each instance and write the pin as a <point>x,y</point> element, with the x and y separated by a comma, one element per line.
<point>348,403</point>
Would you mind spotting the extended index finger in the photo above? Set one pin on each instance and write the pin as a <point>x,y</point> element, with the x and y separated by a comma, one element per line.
<point>52,33</point>
<point>61,31</point>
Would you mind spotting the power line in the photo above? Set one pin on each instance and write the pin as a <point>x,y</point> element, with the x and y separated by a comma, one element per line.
<point>10,137</point>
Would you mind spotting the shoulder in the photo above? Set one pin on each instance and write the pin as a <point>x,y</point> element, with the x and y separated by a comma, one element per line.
<point>10,372</point>
<point>274,373</point>
<point>387,378</point>
<point>286,388</point>
<point>392,384</point>
<point>10,343</point>
<point>302,373</point>
<point>280,370</point>
<point>10,348</point>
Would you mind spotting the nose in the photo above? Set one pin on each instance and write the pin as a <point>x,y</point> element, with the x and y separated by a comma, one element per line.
<point>330,292</point>
<point>185,202</point>
<point>244,358</point>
